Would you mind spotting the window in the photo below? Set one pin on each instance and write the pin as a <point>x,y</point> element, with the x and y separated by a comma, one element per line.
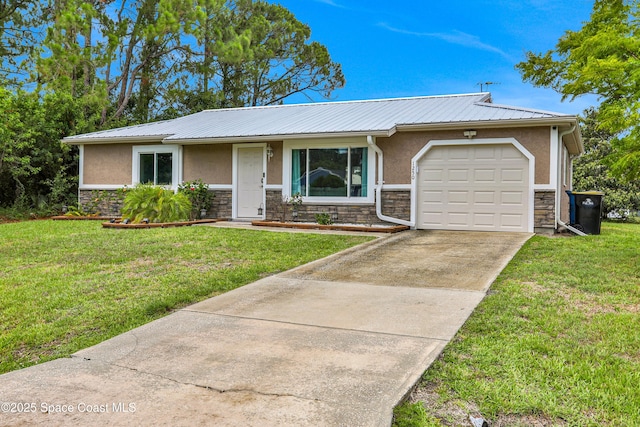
<point>156,168</point>
<point>155,165</point>
<point>329,172</point>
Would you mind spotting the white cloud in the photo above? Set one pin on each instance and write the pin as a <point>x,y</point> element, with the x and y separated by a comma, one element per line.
<point>330,3</point>
<point>454,37</point>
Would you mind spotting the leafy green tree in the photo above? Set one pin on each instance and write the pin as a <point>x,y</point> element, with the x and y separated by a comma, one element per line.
<point>251,52</point>
<point>18,22</point>
<point>592,171</point>
<point>36,169</point>
<point>602,58</point>
<point>114,56</point>
<point>100,64</point>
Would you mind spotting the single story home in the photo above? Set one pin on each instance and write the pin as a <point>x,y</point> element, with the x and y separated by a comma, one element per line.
<point>454,162</point>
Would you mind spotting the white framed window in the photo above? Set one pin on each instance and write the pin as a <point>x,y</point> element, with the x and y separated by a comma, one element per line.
<point>156,164</point>
<point>329,171</point>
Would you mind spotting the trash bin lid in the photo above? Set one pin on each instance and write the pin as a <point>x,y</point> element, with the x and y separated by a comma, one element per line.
<point>590,193</point>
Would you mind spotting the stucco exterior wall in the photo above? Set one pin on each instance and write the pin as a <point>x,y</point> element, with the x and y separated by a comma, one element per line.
<point>274,165</point>
<point>565,184</point>
<point>108,164</point>
<point>400,148</point>
<point>211,163</point>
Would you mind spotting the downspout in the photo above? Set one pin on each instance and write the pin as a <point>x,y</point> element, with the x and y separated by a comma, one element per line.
<point>558,196</point>
<point>378,151</point>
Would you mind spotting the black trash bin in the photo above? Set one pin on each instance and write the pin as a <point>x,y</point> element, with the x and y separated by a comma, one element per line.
<point>588,206</point>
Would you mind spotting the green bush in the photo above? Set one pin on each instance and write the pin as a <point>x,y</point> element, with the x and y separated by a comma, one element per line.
<point>324,218</point>
<point>198,194</point>
<point>156,204</point>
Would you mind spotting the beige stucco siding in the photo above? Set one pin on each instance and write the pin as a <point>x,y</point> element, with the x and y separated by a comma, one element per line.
<point>108,164</point>
<point>565,184</point>
<point>400,148</point>
<point>210,163</point>
<point>274,165</point>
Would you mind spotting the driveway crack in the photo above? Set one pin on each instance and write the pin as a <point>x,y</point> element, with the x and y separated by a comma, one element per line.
<point>215,389</point>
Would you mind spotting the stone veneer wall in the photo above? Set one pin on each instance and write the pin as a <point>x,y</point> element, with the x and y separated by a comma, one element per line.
<point>221,205</point>
<point>544,219</point>
<point>108,203</point>
<point>395,204</point>
<point>110,206</point>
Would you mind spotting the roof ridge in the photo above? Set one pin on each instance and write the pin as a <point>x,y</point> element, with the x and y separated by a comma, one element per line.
<point>523,109</point>
<point>485,95</point>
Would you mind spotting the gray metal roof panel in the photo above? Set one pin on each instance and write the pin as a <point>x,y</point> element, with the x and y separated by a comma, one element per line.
<point>373,116</point>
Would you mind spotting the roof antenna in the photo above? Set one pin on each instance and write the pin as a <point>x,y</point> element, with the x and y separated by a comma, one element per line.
<point>487,84</point>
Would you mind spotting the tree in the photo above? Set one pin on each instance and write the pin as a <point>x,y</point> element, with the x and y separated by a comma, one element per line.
<point>592,171</point>
<point>35,167</point>
<point>18,19</point>
<point>115,56</point>
<point>250,53</point>
<point>132,61</point>
<point>602,58</point>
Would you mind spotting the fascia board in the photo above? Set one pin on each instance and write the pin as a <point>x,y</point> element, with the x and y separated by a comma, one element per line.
<point>267,138</point>
<point>115,140</point>
<point>547,121</point>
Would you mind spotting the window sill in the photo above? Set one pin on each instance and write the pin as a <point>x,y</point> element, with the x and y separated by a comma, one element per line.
<point>345,201</point>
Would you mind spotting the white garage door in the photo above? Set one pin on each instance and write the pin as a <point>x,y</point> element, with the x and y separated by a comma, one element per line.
<point>473,187</point>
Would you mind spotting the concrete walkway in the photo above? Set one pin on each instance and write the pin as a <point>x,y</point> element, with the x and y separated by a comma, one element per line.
<point>337,342</point>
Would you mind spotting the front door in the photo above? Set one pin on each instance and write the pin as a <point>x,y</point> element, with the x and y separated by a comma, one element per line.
<point>249,191</point>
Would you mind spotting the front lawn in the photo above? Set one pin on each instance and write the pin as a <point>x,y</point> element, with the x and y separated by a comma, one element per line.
<point>67,285</point>
<point>555,342</point>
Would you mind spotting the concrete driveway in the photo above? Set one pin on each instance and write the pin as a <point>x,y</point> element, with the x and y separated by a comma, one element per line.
<point>337,342</point>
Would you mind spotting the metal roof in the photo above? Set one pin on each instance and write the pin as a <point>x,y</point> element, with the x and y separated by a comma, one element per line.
<point>375,117</point>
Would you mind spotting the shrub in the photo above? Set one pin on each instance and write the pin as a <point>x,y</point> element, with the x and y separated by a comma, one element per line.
<point>198,194</point>
<point>156,204</point>
<point>324,218</point>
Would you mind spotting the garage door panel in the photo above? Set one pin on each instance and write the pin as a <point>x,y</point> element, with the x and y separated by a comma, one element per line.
<point>513,198</point>
<point>433,175</point>
<point>511,220</point>
<point>461,153</point>
<point>458,197</point>
<point>460,176</point>
<point>436,196</point>
<point>484,197</point>
<point>482,187</point>
<point>484,219</point>
<point>433,219</point>
<point>515,176</point>
<point>488,153</point>
<point>514,154</point>
<point>458,218</point>
<point>484,175</point>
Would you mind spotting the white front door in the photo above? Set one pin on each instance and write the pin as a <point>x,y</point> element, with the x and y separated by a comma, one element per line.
<point>250,181</point>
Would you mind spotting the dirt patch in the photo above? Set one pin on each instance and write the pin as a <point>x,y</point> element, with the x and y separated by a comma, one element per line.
<point>455,412</point>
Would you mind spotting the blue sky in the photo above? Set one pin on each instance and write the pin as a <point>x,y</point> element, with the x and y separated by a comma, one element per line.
<point>397,48</point>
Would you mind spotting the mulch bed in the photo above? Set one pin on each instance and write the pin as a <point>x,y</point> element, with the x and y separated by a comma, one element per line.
<point>119,224</point>
<point>82,218</point>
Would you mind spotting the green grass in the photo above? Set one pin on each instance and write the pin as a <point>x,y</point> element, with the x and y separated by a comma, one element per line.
<point>67,285</point>
<point>555,342</point>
